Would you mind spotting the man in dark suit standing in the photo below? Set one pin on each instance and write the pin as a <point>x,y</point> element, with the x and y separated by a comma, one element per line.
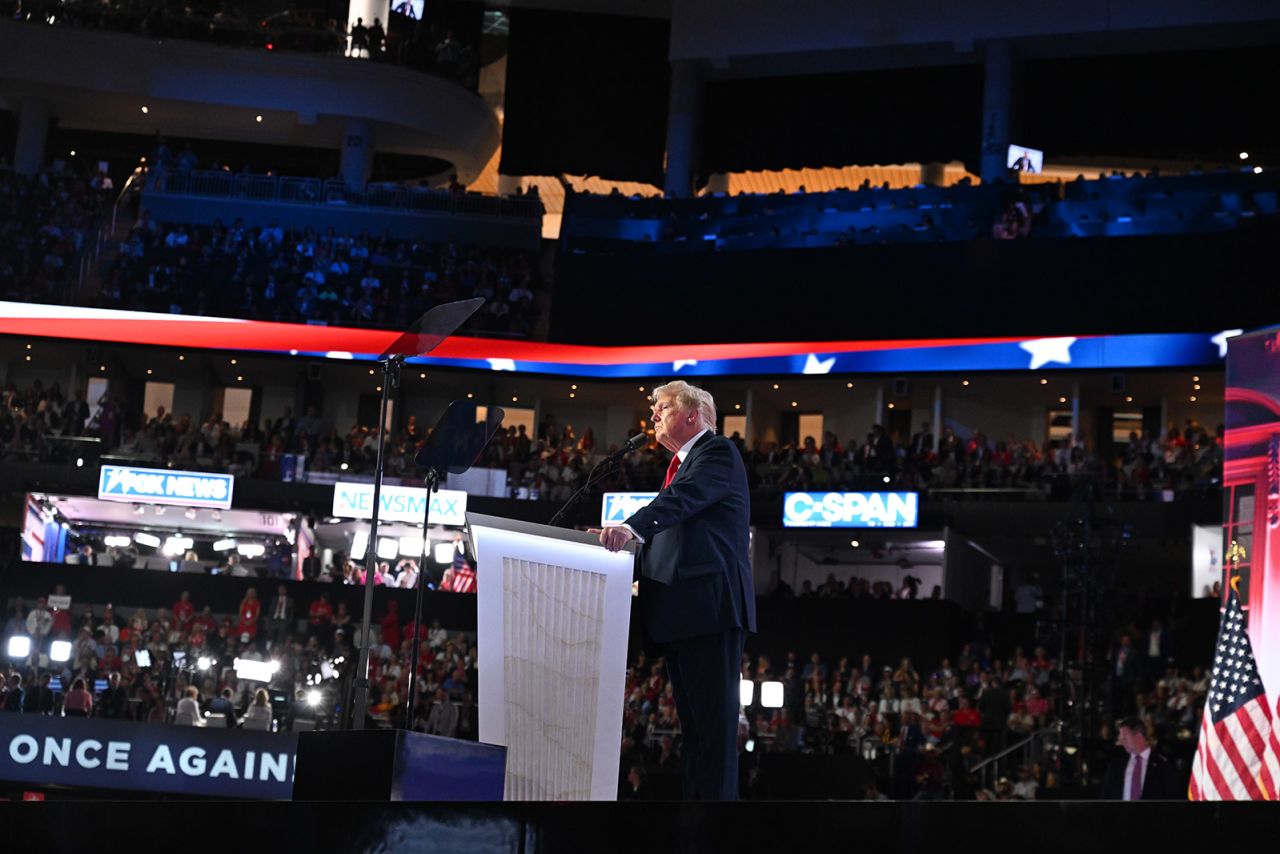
<point>280,617</point>
<point>696,592</point>
<point>1142,774</point>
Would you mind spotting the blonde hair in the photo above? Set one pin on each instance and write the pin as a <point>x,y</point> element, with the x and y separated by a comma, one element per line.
<point>690,398</point>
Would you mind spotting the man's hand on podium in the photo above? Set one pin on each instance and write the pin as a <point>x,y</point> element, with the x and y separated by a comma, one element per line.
<point>613,538</point>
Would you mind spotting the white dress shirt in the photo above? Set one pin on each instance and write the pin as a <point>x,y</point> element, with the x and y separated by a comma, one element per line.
<point>682,453</point>
<point>1128,773</point>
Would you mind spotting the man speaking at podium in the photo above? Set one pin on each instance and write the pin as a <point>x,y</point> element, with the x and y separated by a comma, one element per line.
<point>696,593</point>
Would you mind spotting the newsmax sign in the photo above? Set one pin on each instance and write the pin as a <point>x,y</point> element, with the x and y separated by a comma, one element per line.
<point>163,486</point>
<point>851,510</point>
<point>399,503</point>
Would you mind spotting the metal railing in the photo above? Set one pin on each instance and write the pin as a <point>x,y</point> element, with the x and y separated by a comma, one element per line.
<point>314,191</point>
<point>1031,749</point>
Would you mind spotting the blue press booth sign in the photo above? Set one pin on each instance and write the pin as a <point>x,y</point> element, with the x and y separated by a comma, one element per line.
<point>617,507</point>
<point>163,486</point>
<point>851,510</point>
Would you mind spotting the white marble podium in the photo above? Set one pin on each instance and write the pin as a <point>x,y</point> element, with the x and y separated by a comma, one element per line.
<point>553,612</point>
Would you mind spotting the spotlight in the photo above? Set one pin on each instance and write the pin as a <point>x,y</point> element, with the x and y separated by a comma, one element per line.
<point>251,550</point>
<point>255,671</point>
<point>115,541</point>
<point>145,110</point>
<point>1257,170</point>
<point>771,695</point>
<point>191,513</point>
<point>313,697</point>
<point>1244,155</point>
<point>19,646</point>
<point>79,462</point>
<point>147,540</point>
<point>746,691</point>
<point>60,650</point>
<point>886,478</point>
<point>224,545</point>
<point>443,552</point>
<point>204,662</point>
<point>854,543</point>
<point>175,546</point>
<point>388,548</point>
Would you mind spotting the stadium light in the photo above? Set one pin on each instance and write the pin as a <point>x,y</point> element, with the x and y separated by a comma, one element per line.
<point>224,545</point>
<point>60,650</point>
<point>746,691</point>
<point>251,550</point>
<point>115,541</point>
<point>771,695</point>
<point>175,546</point>
<point>444,552</point>
<point>204,662</point>
<point>255,671</point>
<point>19,646</point>
<point>147,540</point>
<point>313,697</point>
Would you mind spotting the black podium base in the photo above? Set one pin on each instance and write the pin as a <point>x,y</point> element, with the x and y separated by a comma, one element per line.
<point>396,765</point>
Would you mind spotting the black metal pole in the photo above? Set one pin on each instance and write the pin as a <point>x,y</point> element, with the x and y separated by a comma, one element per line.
<point>360,683</point>
<point>433,483</point>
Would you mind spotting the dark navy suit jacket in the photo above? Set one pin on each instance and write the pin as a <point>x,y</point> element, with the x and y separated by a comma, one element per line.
<point>695,567</point>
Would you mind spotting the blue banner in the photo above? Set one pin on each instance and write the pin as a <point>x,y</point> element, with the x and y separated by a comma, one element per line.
<point>851,510</point>
<point>103,754</point>
<point>161,486</point>
<point>617,507</point>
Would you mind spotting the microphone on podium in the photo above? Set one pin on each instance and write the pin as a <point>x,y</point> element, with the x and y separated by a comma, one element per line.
<point>628,446</point>
<point>636,441</point>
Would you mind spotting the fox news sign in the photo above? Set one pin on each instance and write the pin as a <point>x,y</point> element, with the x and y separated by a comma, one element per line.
<point>850,510</point>
<point>617,507</point>
<point>162,486</point>
<point>399,503</point>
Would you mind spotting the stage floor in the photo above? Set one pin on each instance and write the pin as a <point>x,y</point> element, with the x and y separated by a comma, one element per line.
<point>936,827</point>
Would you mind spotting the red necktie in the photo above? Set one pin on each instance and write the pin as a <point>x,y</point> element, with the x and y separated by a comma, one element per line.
<point>671,470</point>
<point>1135,785</point>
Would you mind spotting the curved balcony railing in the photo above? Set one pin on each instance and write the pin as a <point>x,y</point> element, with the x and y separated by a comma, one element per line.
<point>315,191</point>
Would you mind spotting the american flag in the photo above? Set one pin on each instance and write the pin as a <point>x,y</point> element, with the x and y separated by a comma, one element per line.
<point>1238,755</point>
<point>464,575</point>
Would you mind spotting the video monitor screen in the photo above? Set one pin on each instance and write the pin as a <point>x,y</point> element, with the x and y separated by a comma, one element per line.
<point>1023,159</point>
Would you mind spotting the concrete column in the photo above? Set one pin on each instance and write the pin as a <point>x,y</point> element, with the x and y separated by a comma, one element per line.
<point>33,134</point>
<point>933,174</point>
<point>684,127</point>
<point>357,154</point>
<point>997,108</point>
<point>937,415</point>
<point>1075,414</point>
